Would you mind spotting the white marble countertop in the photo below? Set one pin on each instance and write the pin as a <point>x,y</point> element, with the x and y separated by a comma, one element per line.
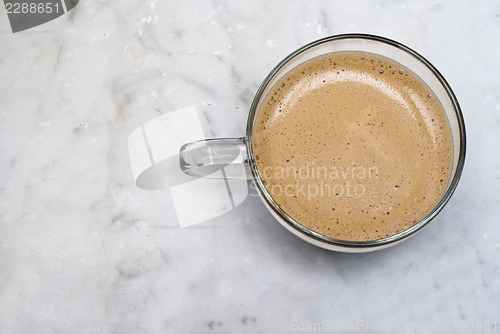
<point>84,250</point>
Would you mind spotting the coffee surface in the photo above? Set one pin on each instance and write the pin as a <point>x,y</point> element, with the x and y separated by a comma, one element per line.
<point>353,146</point>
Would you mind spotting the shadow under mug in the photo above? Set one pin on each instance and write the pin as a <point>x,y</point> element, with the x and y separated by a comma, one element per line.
<point>207,156</point>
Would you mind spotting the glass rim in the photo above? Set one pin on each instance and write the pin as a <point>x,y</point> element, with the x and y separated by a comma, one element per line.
<point>346,243</point>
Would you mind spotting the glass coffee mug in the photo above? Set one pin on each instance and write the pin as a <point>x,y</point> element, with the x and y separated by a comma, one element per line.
<point>207,156</point>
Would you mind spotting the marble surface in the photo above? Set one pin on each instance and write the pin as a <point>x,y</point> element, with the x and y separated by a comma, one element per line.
<point>84,250</point>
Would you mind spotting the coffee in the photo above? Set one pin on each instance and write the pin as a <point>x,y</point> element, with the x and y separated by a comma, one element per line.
<point>353,146</point>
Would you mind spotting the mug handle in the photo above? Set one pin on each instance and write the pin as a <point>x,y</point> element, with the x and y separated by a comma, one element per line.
<point>205,157</point>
